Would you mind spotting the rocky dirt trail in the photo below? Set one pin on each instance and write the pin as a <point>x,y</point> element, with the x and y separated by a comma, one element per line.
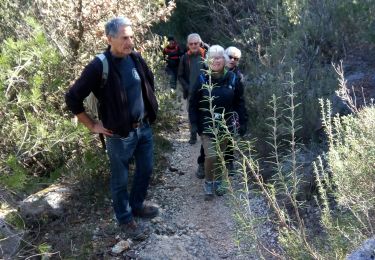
<point>188,227</point>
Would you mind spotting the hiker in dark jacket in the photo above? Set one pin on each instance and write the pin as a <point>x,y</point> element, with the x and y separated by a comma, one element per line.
<point>127,107</point>
<point>191,64</point>
<point>234,55</point>
<point>172,53</point>
<point>226,99</point>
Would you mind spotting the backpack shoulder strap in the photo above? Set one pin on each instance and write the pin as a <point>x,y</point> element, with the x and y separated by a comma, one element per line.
<point>232,81</point>
<point>202,79</point>
<point>104,61</point>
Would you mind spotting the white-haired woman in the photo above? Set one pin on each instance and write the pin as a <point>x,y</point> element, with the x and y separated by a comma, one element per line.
<point>234,56</point>
<point>225,99</point>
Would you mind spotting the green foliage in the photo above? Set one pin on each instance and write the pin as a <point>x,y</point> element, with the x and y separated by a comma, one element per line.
<point>351,157</point>
<point>15,220</point>
<point>307,36</point>
<point>350,179</point>
<point>346,186</point>
<point>18,178</point>
<point>293,245</point>
<point>37,137</point>
<point>10,17</point>
<point>44,250</point>
<point>275,36</point>
<point>168,108</point>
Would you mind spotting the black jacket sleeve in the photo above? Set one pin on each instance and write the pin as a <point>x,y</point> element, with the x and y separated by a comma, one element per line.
<point>148,73</point>
<point>89,81</point>
<point>194,103</point>
<point>239,102</point>
<point>181,72</point>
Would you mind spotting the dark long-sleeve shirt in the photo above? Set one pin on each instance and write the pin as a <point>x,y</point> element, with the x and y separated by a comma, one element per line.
<point>114,106</point>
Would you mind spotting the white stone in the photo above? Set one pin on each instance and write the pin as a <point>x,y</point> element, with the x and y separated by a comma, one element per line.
<point>365,252</point>
<point>121,247</point>
<point>48,202</point>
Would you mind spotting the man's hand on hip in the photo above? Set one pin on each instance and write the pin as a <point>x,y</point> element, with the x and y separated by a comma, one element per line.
<point>99,129</point>
<point>95,127</point>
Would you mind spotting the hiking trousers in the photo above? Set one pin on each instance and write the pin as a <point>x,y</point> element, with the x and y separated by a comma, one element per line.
<point>212,169</point>
<point>172,74</point>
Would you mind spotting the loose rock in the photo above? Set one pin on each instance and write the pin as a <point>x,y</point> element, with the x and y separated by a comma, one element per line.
<point>121,247</point>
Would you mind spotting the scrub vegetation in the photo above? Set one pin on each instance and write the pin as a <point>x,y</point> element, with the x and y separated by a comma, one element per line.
<point>297,134</point>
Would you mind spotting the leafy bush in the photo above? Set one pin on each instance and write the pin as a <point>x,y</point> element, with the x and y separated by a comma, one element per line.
<point>37,137</point>
<point>77,28</point>
<point>276,36</point>
<point>36,63</point>
<point>349,179</point>
<point>341,216</point>
<point>351,158</point>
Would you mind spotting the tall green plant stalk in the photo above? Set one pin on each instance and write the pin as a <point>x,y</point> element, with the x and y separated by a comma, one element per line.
<point>250,167</point>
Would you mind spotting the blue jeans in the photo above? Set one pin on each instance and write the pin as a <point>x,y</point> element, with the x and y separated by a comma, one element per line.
<point>120,151</point>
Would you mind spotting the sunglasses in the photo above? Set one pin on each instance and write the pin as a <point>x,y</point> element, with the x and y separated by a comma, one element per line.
<point>193,43</point>
<point>234,58</point>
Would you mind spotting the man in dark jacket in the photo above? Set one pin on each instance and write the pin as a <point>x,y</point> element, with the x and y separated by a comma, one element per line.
<point>191,64</point>
<point>127,107</point>
<point>172,54</point>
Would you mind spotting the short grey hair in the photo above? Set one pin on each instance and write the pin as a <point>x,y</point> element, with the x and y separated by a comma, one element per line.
<point>217,50</point>
<point>194,36</point>
<point>233,51</point>
<point>112,26</point>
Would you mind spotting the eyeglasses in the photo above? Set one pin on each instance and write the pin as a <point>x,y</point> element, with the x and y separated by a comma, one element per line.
<point>234,58</point>
<point>193,43</point>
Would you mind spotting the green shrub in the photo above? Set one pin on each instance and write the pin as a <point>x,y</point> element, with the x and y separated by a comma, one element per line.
<point>17,180</point>
<point>37,136</point>
<point>15,220</point>
<point>352,159</point>
<point>345,180</point>
<point>276,36</point>
<point>350,178</point>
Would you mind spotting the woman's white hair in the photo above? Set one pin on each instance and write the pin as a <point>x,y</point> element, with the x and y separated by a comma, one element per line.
<point>233,51</point>
<point>194,36</point>
<point>216,50</point>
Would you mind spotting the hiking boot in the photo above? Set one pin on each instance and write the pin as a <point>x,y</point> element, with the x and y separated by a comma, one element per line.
<point>220,188</point>
<point>208,190</point>
<point>134,231</point>
<point>146,212</point>
<point>193,140</point>
<point>231,169</point>
<point>200,171</point>
<point>193,137</point>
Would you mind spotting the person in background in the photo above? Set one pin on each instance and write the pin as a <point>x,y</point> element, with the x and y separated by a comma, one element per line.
<point>172,53</point>
<point>205,46</point>
<point>191,64</point>
<point>127,107</point>
<point>234,56</point>
<point>226,98</point>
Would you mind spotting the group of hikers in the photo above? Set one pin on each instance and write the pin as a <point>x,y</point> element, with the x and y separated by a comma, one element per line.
<point>222,72</point>
<point>123,84</point>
